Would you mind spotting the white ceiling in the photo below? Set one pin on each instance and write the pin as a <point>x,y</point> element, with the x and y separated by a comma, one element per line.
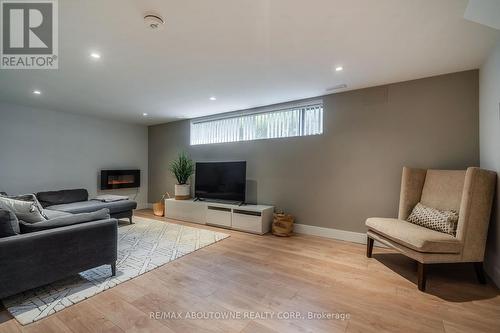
<point>486,12</point>
<point>247,53</point>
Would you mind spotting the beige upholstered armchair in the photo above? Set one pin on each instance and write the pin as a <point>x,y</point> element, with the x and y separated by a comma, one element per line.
<point>469,192</point>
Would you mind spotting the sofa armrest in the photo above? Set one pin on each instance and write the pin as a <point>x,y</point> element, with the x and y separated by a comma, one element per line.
<point>475,212</point>
<point>412,183</point>
<point>38,258</point>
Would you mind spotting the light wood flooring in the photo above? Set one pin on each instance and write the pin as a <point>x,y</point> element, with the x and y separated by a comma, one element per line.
<point>303,274</point>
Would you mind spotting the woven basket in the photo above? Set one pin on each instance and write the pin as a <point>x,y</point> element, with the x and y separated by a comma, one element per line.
<point>283,225</point>
<point>159,207</point>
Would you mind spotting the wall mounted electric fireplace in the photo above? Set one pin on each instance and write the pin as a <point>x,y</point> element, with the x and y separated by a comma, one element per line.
<point>113,179</point>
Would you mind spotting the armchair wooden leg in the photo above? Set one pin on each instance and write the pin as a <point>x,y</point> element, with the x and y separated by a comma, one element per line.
<point>478,266</point>
<point>422,268</point>
<point>113,269</point>
<point>369,247</point>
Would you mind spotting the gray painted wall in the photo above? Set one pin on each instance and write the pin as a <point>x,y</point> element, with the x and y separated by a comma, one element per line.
<point>353,170</point>
<point>47,150</point>
<point>490,149</point>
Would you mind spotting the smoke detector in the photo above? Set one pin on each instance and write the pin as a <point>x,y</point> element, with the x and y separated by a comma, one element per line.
<point>153,21</point>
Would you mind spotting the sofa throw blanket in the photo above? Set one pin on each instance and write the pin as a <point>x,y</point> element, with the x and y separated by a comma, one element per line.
<point>26,207</point>
<point>440,220</point>
<point>110,198</point>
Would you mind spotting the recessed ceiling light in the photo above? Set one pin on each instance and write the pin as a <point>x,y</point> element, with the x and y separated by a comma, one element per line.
<point>144,114</point>
<point>95,55</point>
<point>37,92</point>
<point>339,68</point>
<point>213,98</point>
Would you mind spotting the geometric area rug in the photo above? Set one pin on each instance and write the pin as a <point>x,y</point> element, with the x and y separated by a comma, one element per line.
<point>142,246</point>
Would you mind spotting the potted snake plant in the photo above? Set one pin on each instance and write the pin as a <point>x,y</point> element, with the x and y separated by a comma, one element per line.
<point>182,169</point>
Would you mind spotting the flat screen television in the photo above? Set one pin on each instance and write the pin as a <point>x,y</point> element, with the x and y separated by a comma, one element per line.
<point>220,181</point>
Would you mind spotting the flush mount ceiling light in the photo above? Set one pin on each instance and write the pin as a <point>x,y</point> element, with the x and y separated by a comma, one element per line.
<point>144,114</point>
<point>95,55</point>
<point>339,68</point>
<point>153,21</point>
<point>37,92</point>
<point>213,98</point>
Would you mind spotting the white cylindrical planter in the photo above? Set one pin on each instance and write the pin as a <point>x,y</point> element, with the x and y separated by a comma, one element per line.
<point>182,192</point>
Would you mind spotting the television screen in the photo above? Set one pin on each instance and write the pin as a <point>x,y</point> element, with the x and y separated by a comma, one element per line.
<point>221,180</point>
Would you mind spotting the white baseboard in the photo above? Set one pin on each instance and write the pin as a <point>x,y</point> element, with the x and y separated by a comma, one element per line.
<point>349,236</point>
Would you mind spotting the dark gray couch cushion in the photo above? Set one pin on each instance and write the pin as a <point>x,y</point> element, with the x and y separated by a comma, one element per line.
<point>93,205</point>
<point>64,221</point>
<point>53,214</point>
<point>52,198</point>
<point>9,225</point>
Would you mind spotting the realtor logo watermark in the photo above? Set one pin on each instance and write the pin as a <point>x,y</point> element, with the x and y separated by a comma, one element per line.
<point>29,34</point>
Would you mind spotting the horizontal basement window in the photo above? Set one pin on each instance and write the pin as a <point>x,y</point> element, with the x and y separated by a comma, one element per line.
<point>294,120</point>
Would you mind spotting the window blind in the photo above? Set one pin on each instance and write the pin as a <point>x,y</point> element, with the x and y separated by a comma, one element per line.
<point>282,123</point>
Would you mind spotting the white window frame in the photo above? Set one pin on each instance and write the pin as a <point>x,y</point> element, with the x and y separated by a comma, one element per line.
<point>302,107</point>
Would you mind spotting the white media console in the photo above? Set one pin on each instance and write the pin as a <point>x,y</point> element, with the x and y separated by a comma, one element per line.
<point>256,219</point>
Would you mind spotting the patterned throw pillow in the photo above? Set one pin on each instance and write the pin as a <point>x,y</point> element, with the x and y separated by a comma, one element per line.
<point>440,220</point>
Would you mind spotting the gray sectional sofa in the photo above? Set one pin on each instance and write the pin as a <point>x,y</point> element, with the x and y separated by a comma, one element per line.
<point>77,201</point>
<point>66,244</point>
<point>37,258</point>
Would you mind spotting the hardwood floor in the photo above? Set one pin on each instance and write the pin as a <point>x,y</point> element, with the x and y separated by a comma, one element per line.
<point>303,274</point>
